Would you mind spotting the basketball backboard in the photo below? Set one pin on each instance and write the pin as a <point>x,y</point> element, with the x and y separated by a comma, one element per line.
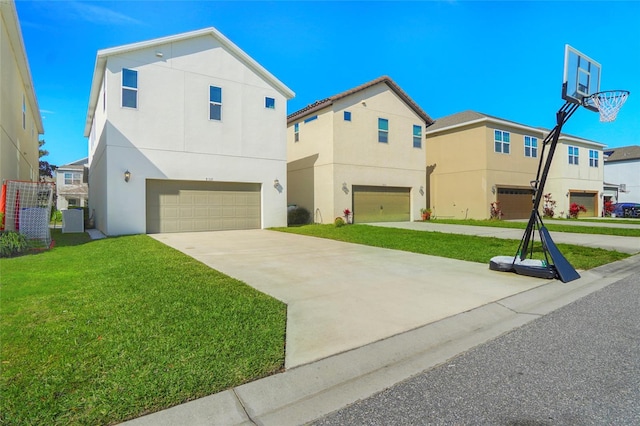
<point>581,77</point>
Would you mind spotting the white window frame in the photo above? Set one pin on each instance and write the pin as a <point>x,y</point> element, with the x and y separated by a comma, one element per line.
<point>382,132</point>
<point>296,132</point>
<point>129,88</point>
<point>594,159</point>
<point>501,141</point>
<point>574,158</point>
<point>417,138</point>
<point>24,113</point>
<point>266,102</point>
<point>531,140</point>
<point>215,103</point>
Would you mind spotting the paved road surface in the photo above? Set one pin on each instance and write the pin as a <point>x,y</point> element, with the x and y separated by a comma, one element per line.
<point>579,365</point>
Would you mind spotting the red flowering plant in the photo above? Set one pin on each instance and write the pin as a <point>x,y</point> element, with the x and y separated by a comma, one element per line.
<point>575,209</point>
<point>346,213</point>
<point>608,208</point>
<point>549,206</point>
<point>496,211</point>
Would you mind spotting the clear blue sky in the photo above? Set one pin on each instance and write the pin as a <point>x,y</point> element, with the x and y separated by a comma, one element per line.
<point>499,58</point>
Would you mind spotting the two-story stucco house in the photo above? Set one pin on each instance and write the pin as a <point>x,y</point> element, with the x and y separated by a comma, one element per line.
<point>71,185</point>
<point>20,119</point>
<point>474,159</point>
<point>622,170</point>
<point>186,133</point>
<point>361,150</point>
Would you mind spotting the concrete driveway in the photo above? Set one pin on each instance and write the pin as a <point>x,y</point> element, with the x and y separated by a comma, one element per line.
<point>342,296</point>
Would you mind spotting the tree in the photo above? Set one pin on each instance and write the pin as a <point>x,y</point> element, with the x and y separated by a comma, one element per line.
<point>46,169</point>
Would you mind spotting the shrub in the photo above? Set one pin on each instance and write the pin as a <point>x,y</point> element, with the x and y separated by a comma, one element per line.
<point>549,206</point>
<point>12,243</point>
<point>575,209</point>
<point>496,211</point>
<point>608,208</point>
<point>298,216</point>
<point>339,222</point>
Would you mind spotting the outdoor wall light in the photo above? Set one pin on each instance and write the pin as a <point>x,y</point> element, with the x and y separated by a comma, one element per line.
<point>127,176</point>
<point>276,183</point>
<point>422,190</point>
<point>345,188</point>
<point>493,189</point>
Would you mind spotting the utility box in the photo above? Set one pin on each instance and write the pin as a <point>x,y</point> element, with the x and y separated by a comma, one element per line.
<point>72,221</point>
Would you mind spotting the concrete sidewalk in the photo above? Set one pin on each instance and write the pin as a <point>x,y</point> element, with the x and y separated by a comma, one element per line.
<point>630,245</point>
<point>460,305</point>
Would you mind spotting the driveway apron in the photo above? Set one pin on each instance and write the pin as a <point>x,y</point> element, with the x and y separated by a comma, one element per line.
<point>342,296</point>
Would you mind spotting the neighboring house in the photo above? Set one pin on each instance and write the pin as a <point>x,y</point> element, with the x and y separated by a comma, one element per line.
<point>361,150</point>
<point>186,133</point>
<point>71,185</point>
<point>475,159</point>
<point>20,120</point>
<point>622,169</point>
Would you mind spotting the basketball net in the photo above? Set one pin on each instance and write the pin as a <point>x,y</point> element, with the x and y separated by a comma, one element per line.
<point>608,103</point>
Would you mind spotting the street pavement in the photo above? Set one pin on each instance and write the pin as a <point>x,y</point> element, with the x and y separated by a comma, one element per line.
<point>578,365</point>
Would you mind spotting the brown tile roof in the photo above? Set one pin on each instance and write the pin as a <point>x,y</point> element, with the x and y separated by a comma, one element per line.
<point>624,153</point>
<point>318,105</point>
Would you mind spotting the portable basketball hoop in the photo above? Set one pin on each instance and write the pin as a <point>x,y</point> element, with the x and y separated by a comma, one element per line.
<point>608,103</point>
<point>580,87</point>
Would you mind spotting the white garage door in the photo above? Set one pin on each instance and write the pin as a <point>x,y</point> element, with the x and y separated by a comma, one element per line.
<point>183,206</point>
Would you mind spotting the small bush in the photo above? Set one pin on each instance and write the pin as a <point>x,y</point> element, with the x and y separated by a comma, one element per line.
<point>496,211</point>
<point>298,216</point>
<point>12,243</point>
<point>575,209</point>
<point>339,222</point>
<point>549,206</point>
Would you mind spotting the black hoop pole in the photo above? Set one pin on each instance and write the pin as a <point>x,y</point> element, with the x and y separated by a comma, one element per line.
<point>563,114</point>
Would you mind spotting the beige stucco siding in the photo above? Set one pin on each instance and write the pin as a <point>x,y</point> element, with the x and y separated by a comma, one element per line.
<point>18,145</point>
<point>347,153</point>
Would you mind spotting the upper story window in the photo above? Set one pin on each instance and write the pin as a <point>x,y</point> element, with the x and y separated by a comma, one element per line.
<point>215,103</point>
<point>593,158</point>
<point>296,132</point>
<point>573,155</point>
<point>347,116</point>
<point>270,103</point>
<point>71,178</point>
<point>313,117</point>
<point>24,113</point>
<point>129,88</point>
<point>530,146</point>
<point>383,130</point>
<point>417,136</point>
<point>501,141</point>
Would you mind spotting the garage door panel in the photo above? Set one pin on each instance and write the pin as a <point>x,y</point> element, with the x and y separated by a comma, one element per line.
<point>381,204</point>
<point>185,206</point>
<point>515,203</point>
<point>588,200</point>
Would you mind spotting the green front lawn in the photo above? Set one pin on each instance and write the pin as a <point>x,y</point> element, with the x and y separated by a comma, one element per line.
<point>551,225</point>
<point>454,246</point>
<point>97,332</point>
